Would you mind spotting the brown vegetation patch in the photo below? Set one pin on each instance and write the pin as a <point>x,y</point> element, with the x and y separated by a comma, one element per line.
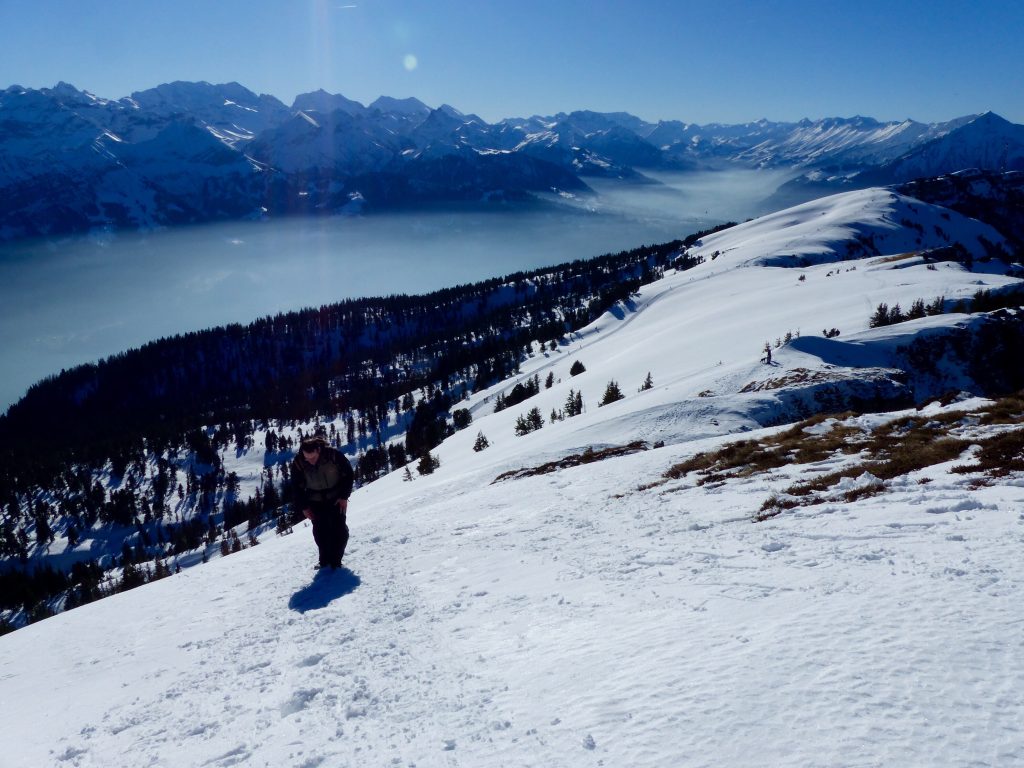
<point>748,457</point>
<point>894,449</point>
<point>1006,410</point>
<point>775,505</point>
<point>589,456</point>
<point>998,456</point>
<point>897,257</point>
<point>794,376</point>
<point>739,459</point>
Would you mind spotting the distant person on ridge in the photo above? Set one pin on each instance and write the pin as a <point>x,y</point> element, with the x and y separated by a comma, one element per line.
<point>322,478</point>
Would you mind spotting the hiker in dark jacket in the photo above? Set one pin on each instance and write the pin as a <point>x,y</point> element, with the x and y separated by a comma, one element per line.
<point>322,479</point>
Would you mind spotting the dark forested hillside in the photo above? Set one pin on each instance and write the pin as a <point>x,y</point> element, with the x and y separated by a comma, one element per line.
<point>355,354</point>
<point>129,449</point>
<point>995,198</point>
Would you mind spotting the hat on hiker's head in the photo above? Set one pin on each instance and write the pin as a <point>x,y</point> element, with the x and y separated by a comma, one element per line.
<point>312,442</point>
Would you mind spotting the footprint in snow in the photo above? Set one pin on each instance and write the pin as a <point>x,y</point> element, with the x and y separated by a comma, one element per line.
<point>299,701</point>
<point>71,753</point>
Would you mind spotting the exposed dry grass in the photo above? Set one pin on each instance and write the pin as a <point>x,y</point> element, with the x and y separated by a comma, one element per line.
<point>589,456</point>
<point>1006,410</point>
<point>748,457</point>
<point>888,454</point>
<point>895,449</point>
<point>789,379</point>
<point>773,506</point>
<point>820,484</point>
<point>863,492</point>
<point>895,458</point>
<point>998,456</point>
<point>806,449</point>
<point>739,459</point>
<point>897,257</point>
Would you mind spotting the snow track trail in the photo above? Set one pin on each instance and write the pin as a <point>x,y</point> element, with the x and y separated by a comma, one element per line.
<point>566,620</point>
<point>355,658</point>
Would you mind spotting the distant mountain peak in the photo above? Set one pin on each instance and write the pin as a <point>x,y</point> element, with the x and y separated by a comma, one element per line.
<point>448,109</point>
<point>990,118</point>
<point>64,87</point>
<point>324,102</point>
<point>67,93</point>
<point>58,134</point>
<point>987,125</point>
<point>411,107</point>
<point>185,93</point>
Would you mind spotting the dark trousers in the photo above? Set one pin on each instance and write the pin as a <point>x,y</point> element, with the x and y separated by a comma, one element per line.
<point>330,532</point>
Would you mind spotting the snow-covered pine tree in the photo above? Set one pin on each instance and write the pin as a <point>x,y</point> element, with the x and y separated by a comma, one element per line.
<point>427,464</point>
<point>574,403</point>
<point>536,420</point>
<point>881,316</point>
<point>462,418</point>
<point>529,422</point>
<point>611,393</point>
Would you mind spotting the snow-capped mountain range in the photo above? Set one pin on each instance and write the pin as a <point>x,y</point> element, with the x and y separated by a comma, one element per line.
<point>186,152</point>
<point>607,589</point>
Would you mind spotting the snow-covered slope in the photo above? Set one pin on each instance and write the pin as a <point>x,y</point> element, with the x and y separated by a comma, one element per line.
<point>322,101</point>
<point>410,107</point>
<point>231,112</point>
<point>988,142</point>
<point>847,142</point>
<point>870,222</point>
<point>447,132</point>
<point>985,142</point>
<point>599,614</point>
<point>327,141</point>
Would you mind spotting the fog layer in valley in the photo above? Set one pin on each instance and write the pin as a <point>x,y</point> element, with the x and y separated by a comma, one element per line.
<point>77,301</point>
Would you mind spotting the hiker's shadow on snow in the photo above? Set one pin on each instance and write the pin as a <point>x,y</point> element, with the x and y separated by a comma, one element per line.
<point>326,587</point>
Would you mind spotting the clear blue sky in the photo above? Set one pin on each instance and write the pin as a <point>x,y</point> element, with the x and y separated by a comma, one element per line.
<point>693,60</point>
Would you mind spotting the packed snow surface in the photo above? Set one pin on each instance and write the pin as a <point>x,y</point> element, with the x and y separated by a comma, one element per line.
<point>595,615</point>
